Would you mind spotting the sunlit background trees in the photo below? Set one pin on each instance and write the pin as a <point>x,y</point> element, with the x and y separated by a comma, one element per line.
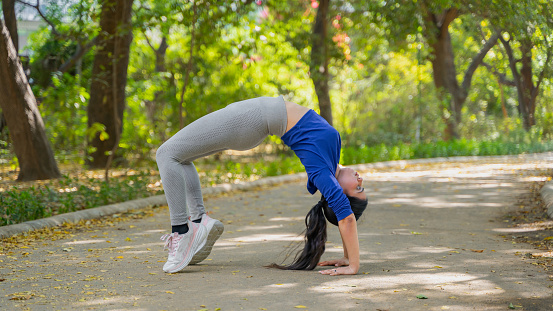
<point>113,79</point>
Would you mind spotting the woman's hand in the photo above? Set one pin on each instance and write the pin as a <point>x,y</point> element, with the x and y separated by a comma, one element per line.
<point>349,270</point>
<point>343,263</point>
<point>350,262</point>
<point>336,262</point>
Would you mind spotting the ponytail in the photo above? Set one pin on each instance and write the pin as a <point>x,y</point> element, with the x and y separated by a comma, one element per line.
<point>315,240</point>
<point>315,234</point>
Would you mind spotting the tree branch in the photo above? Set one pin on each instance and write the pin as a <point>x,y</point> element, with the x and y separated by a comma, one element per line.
<point>147,40</point>
<point>449,16</point>
<point>502,77</point>
<point>37,8</point>
<point>79,53</point>
<point>511,57</point>
<point>477,60</point>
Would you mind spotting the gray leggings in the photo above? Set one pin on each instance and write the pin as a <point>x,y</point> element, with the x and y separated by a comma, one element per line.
<point>239,126</point>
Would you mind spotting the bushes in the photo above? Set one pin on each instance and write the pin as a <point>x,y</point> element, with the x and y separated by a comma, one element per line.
<point>68,195</point>
<point>402,151</point>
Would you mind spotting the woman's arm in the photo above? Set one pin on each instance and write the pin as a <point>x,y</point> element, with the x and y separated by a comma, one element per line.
<point>338,262</point>
<point>345,249</point>
<point>348,231</point>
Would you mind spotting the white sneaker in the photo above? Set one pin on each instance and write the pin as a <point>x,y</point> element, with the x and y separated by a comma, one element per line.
<point>182,247</point>
<point>215,229</point>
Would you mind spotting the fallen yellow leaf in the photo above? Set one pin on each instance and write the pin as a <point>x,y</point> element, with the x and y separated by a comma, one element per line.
<point>300,307</point>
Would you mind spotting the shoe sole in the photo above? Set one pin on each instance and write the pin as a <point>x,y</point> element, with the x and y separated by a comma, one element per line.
<point>186,261</point>
<point>212,237</point>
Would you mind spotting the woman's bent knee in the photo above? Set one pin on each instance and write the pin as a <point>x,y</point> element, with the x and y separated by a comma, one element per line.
<point>163,153</point>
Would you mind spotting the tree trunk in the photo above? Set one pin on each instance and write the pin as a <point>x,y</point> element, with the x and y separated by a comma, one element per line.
<point>8,7</point>
<point>319,60</point>
<point>444,70</point>
<point>109,78</point>
<point>445,80</point>
<point>161,52</point>
<point>443,66</point>
<point>32,148</point>
<point>526,90</point>
<point>529,101</point>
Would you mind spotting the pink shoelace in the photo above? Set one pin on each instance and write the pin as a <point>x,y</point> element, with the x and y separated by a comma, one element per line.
<point>171,242</point>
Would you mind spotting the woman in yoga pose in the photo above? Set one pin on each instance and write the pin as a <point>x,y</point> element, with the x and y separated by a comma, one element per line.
<point>244,125</point>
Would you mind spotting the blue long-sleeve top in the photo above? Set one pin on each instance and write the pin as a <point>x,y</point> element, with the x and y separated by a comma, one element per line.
<point>318,145</point>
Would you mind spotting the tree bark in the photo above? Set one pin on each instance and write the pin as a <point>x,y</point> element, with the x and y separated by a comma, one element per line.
<point>444,71</point>
<point>527,84</point>
<point>527,91</point>
<point>109,78</point>
<point>8,7</point>
<point>319,60</point>
<point>32,148</point>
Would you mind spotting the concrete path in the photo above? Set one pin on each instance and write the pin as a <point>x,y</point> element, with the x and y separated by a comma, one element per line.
<point>431,230</point>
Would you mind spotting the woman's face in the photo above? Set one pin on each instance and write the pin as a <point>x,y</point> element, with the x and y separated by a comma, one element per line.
<point>351,182</point>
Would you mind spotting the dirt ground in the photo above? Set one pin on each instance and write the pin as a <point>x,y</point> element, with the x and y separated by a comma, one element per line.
<point>449,236</point>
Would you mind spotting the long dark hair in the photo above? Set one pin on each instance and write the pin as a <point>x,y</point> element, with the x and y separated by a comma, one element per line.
<point>315,234</point>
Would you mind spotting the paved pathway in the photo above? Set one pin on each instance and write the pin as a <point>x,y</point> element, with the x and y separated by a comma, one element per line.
<point>435,230</point>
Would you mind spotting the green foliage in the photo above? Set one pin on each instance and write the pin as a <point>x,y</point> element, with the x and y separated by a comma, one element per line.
<point>62,98</point>
<point>69,194</point>
<point>518,142</point>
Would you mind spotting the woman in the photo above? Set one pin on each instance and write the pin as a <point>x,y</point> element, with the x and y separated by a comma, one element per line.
<point>244,125</point>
